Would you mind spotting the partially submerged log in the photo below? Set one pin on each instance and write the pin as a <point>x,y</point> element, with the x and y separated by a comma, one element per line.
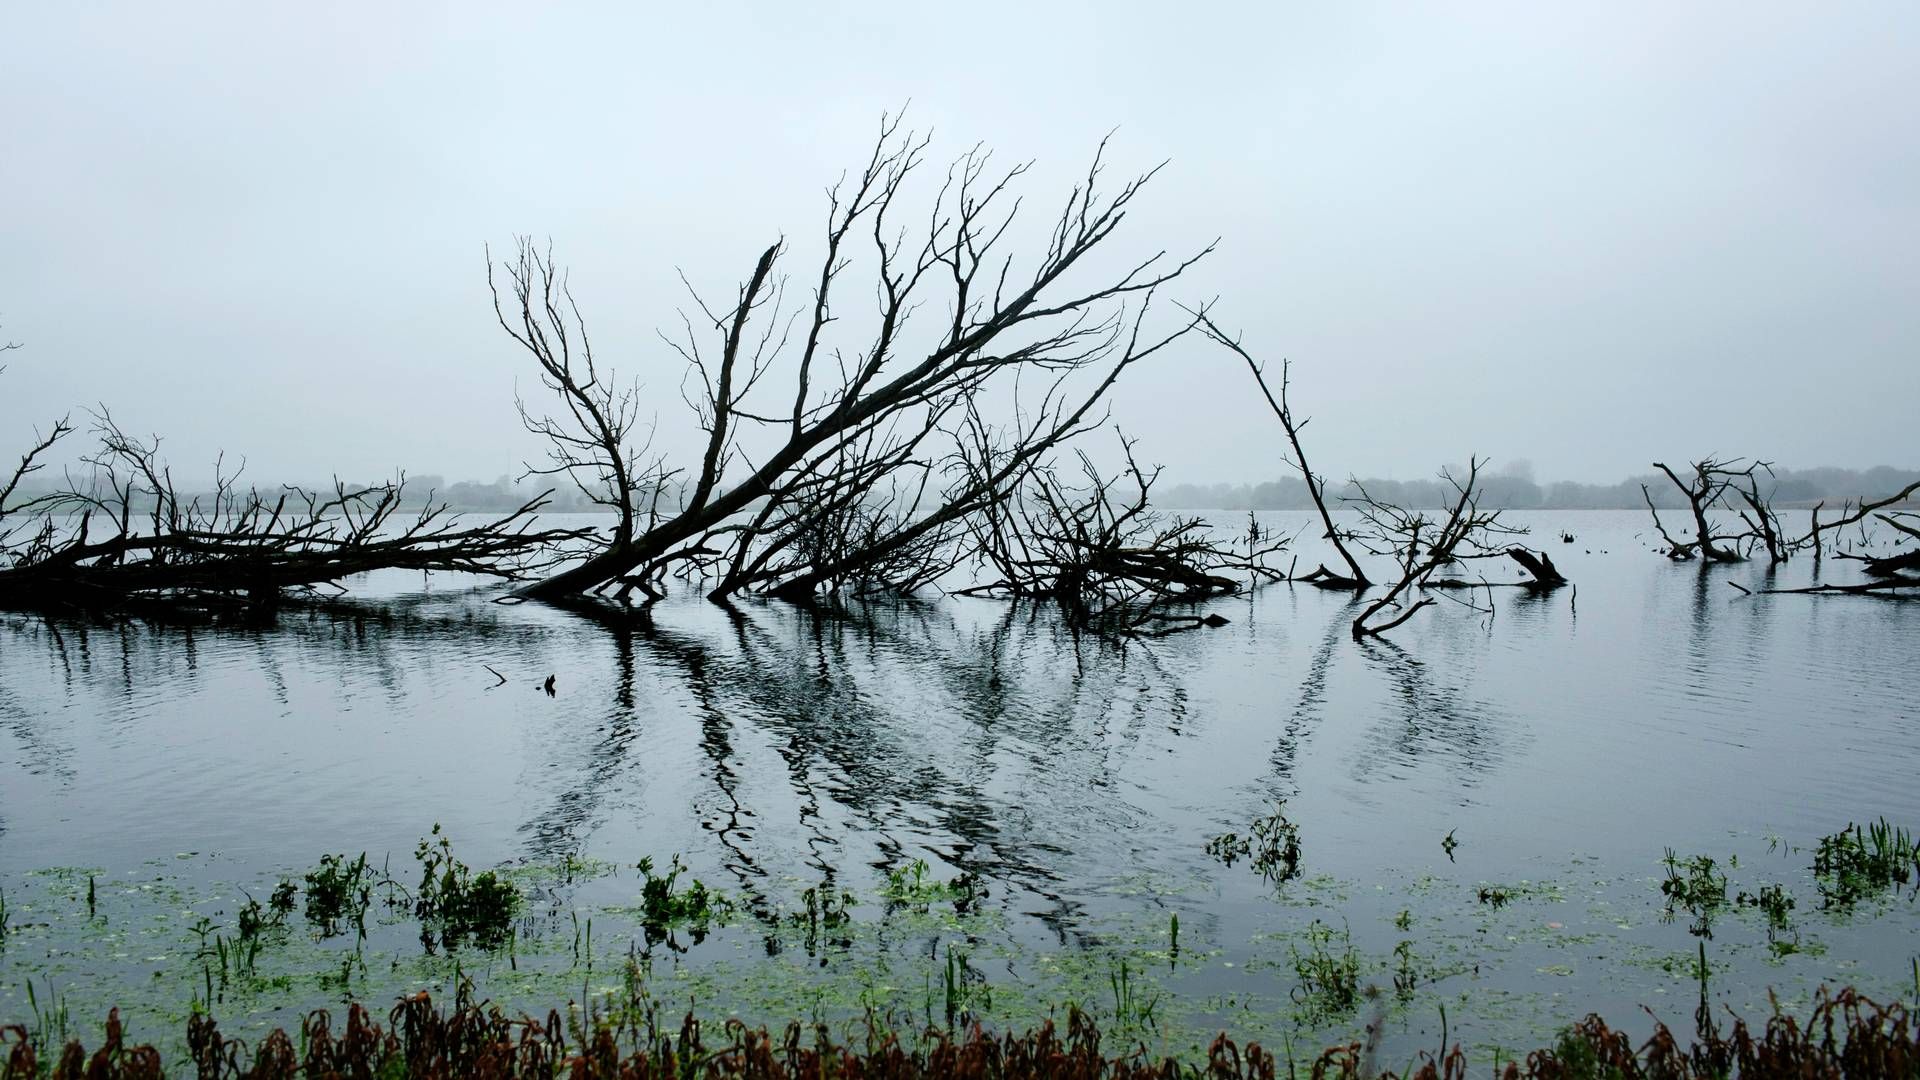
<point>125,538</point>
<point>1892,586</point>
<point>1540,565</point>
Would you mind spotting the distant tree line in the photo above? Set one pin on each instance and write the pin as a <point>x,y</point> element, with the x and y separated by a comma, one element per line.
<point>1510,490</point>
<point>503,493</point>
<point>1515,489</point>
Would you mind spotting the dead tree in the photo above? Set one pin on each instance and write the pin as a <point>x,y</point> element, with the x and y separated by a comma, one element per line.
<point>1420,546</point>
<point>1355,578</point>
<point>827,461</point>
<point>1852,512</point>
<point>26,513</point>
<point>1713,484</point>
<point>1733,485</point>
<point>121,536</point>
<point>1896,574</point>
<point>1093,547</point>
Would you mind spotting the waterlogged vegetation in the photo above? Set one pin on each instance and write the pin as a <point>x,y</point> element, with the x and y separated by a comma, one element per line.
<point>912,885</point>
<point>1328,972</point>
<point>917,952</point>
<point>1857,862</point>
<point>1843,1035</point>
<point>1272,846</point>
<point>998,830</point>
<point>338,894</point>
<point>1694,885</point>
<point>455,904</point>
<point>666,906</point>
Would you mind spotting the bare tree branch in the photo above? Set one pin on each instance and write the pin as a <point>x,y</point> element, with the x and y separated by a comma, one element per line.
<point>867,484</point>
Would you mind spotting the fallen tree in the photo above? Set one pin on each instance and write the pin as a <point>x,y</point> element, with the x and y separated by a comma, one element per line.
<point>1731,487</point>
<point>1712,483</point>
<point>1896,574</point>
<point>1419,546</point>
<point>1106,558</point>
<point>853,464</point>
<point>122,536</point>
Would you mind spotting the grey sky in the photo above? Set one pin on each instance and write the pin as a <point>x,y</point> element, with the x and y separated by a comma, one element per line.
<point>1581,236</point>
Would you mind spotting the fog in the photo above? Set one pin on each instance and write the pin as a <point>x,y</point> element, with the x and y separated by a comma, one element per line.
<point>1586,239</point>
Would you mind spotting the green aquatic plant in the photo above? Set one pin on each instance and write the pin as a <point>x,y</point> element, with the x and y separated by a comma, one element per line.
<point>1495,896</point>
<point>823,912</point>
<point>1228,847</point>
<point>455,904</point>
<point>281,900</point>
<point>1273,846</point>
<point>1329,975</point>
<point>1132,1007</point>
<point>4,919</point>
<point>1406,975</point>
<point>256,919</point>
<point>1857,862</point>
<point>666,907</point>
<point>1448,843</point>
<point>1772,901</point>
<point>338,892</point>
<point>963,988</point>
<point>910,885</point>
<point>1697,885</point>
<point>50,1022</point>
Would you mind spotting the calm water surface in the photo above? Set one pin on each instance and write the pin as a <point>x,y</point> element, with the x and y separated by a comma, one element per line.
<point>1565,741</point>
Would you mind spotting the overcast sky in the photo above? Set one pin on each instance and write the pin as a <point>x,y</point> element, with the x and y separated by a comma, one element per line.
<point>1585,237</point>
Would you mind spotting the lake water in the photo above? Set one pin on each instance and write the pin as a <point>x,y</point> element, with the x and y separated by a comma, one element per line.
<point>1565,742</point>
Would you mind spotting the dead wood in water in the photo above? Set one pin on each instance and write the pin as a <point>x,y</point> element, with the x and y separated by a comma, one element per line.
<point>1418,545</point>
<point>850,464</point>
<point>1733,485</point>
<point>121,535</point>
<point>1105,557</point>
<point>1421,546</point>
<point>1355,578</point>
<point>1710,484</point>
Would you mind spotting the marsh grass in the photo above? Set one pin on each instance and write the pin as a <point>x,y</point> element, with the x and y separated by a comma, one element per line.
<point>1771,901</point>
<point>51,1020</point>
<point>964,996</point>
<point>825,913</point>
<point>1133,1007</point>
<point>1328,972</point>
<point>1309,982</point>
<point>1858,862</point>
